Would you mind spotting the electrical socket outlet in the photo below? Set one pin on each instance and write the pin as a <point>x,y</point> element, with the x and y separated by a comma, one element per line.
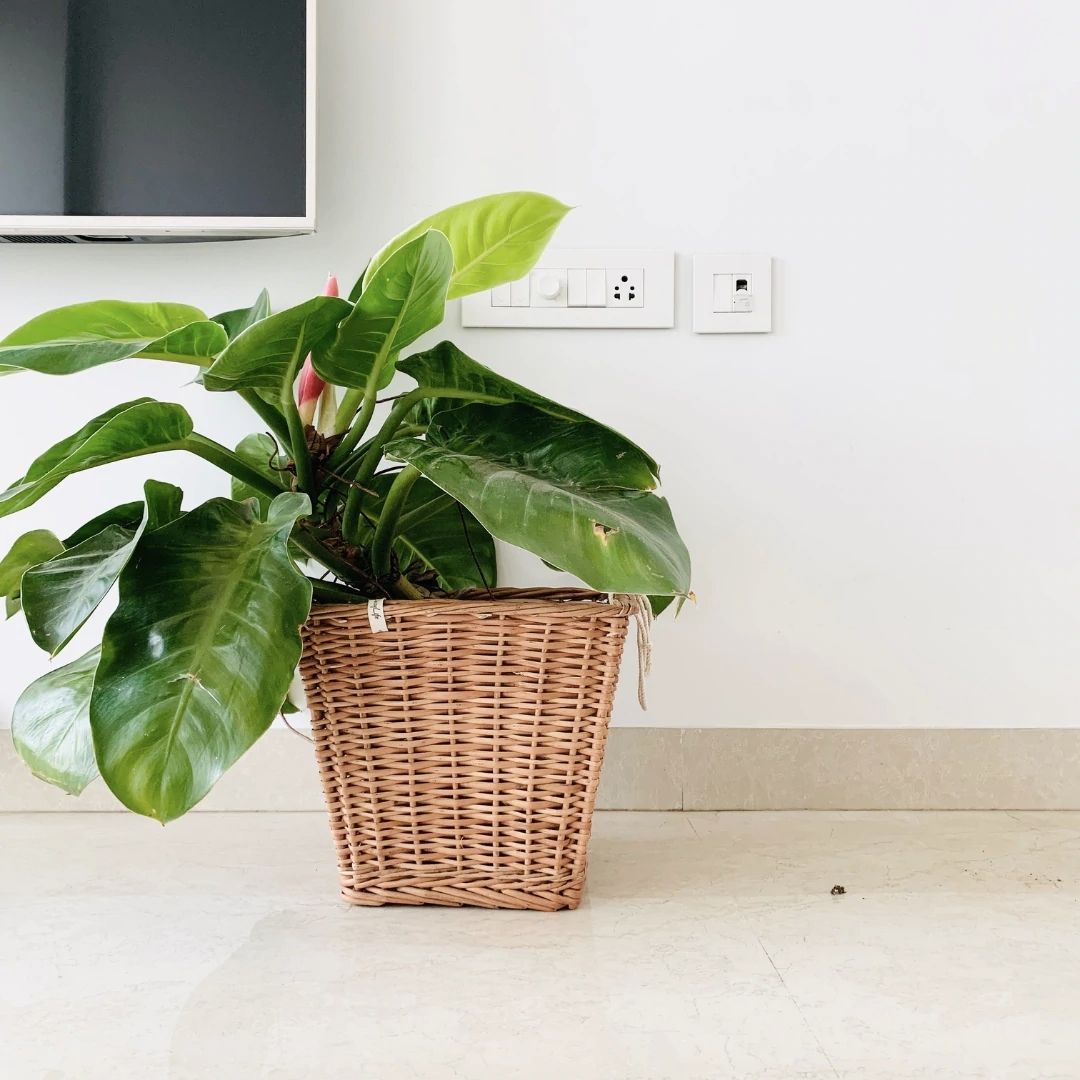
<point>626,288</point>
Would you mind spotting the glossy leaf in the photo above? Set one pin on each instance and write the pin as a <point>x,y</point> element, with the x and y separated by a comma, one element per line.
<point>163,502</point>
<point>447,366</point>
<point>495,239</point>
<point>404,298</point>
<point>82,336</point>
<point>127,514</point>
<point>239,319</point>
<point>556,488</point>
<point>198,656</point>
<point>432,532</point>
<point>61,594</point>
<point>50,725</point>
<point>137,427</point>
<point>30,549</point>
<point>259,358</point>
<point>261,452</point>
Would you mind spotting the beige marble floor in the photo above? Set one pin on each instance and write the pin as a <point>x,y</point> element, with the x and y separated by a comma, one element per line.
<point>709,947</point>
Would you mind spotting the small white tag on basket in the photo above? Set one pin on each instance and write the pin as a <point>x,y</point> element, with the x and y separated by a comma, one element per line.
<point>375,617</point>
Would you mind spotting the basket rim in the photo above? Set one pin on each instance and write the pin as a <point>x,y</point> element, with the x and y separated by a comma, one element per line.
<point>517,600</point>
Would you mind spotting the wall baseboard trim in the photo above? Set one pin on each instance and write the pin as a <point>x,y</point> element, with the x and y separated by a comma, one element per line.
<point>703,769</point>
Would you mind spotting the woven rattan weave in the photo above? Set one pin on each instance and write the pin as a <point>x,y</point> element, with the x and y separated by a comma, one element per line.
<point>460,749</point>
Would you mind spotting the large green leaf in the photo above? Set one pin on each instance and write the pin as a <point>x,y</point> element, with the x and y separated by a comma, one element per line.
<point>239,319</point>
<point>259,357</point>
<point>447,366</point>
<point>50,725</point>
<point>439,533</point>
<point>556,488</point>
<point>404,298</point>
<point>137,427</point>
<point>30,549</point>
<point>81,336</point>
<point>59,595</point>
<point>198,656</point>
<point>495,239</point>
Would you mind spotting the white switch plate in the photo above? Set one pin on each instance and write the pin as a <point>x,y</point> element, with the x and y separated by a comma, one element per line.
<point>649,303</point>
<point>715,281</point>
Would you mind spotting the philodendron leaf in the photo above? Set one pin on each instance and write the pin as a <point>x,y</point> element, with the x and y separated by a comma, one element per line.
<point>440,534</point>
<point>261,452</point>
<point>447,366</point>
<point>404,298</point>
<point>239,319</point>
<point>557,488</point>
<point>50,725</point>
<point>259,357</point>
<point>137,427</point>
<point>495,239</point>
<point>81,336</point>
<point>30,549</point>
<point>59,595</point>
<point>163,502</point>
<point>127,514</point>
<point>198,656</point>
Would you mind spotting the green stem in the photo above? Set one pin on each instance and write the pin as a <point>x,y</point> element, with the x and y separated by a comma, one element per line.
<point>406,589</point>
<point>382,544</point>
<point>225,459</point>
<point>330,592</point>
<point>396,417</point>
<point>320,553</point>
<point>269,415</point>
<point>347,410</point>
<point>350,402</point>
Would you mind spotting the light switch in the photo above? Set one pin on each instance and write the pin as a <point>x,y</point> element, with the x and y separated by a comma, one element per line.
<point>576,292</point>
<point>520,292</point>
<point>596,288</point>
<point>500,295</point>
<point>722,289</point>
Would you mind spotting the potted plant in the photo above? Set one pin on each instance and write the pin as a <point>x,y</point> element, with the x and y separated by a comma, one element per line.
<point>459,727</point>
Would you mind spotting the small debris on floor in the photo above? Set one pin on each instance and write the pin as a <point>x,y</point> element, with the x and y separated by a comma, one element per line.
<point>837,890</point>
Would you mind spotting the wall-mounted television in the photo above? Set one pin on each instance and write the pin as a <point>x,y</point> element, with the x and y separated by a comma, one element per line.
<point>154,120</point>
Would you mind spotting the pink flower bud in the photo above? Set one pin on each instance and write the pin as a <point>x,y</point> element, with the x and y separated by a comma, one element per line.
<point>311,386</point>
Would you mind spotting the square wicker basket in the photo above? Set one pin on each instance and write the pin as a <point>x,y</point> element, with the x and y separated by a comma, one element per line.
<point>460,749</point>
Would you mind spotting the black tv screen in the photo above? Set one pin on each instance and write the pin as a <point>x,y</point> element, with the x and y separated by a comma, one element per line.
<point>159,108</point>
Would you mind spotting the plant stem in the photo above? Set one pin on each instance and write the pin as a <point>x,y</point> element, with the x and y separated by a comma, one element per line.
<point>402,407</point>
<point>382,544</point>
<point>396,417</point>
<point>305,474</point>
<point>350,402</point>
<point>332,593</point>
<point>346,412</point>
<point>269,415</point>
<point>406,589</point>
<point>320,553</point>
<point>225,459</point>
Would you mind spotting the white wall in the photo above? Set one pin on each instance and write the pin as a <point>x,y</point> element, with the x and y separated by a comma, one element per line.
<point>883,495</point>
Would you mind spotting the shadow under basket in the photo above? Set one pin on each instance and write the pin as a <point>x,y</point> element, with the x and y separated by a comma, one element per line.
<point>460,749</point>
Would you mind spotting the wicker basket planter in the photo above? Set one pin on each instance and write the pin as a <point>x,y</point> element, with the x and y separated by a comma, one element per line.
<point>460,749</point>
